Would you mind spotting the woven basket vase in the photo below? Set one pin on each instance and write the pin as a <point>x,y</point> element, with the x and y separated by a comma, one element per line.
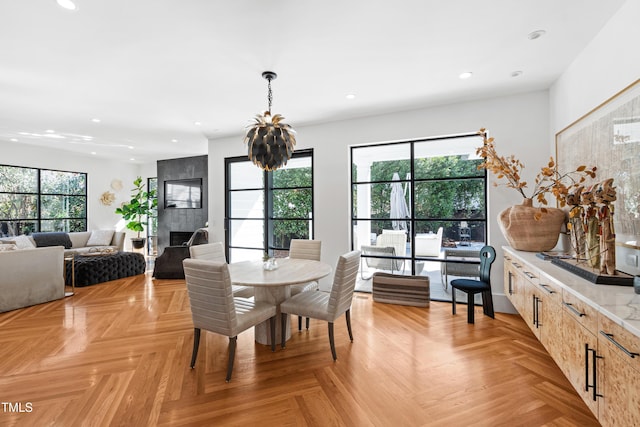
<point>525,233</point>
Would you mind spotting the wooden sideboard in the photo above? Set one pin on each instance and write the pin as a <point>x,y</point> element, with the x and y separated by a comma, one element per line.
<point>591,331</point>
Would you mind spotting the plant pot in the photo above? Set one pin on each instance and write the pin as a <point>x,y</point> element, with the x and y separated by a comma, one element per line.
<point>138,242</point>
<point>525,233</point>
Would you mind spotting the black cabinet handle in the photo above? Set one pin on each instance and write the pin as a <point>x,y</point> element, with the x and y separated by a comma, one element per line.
<point>529,274</point>
<point>546,288</point>
<point>510,283</point>
<point>617,344</point>
<point>594,367</point>
<point>537,310</point>
<point>576,312</point>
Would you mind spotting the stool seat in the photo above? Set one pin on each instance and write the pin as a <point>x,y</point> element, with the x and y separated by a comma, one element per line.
<point>472,287</point>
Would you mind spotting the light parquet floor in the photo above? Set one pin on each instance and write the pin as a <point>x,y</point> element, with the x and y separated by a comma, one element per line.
<point>118,353</point>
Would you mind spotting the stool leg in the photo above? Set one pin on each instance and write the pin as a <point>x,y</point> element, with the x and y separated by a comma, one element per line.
<point>470,307</point>
<point>487,303</point>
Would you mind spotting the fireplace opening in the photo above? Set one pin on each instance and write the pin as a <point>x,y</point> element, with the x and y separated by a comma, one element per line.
<point>179,238</point>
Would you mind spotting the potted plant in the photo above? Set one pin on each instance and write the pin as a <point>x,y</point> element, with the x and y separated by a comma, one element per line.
<point>137,210</point>
<point>526,227</point>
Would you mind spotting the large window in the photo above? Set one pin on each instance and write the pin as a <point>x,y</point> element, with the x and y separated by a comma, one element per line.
<point>265,210</point>
<point>413,201</point>
<point>41,200</point>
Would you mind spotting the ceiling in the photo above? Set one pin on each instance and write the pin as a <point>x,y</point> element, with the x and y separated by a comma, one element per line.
<point>150,69</point>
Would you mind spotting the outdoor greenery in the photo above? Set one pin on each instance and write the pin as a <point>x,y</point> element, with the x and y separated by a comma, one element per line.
<point>447,189</point>
<point>41,200</point>
<point>292,204</point>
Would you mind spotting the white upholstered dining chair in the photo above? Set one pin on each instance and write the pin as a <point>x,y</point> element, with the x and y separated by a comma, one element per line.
<point>215,252</point>
<point>213,307</point>
<point>327,305</point>
<point>304,249</point>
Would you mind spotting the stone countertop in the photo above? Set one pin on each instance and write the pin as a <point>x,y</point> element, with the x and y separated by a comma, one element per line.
<point>619,303</point>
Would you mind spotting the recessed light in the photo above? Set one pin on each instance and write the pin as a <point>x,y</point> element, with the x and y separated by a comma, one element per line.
<point>465,75</point>
<point>197,123</point>
<point>50,131</point>
<point>350,96</point>
<point>536,34</point>
<point>174,140</point>
<point>95,120</point>
<point>67,4</point>
<point>516,73</point>
<point>94,153</point>
<point>132,158</point>
<point>130,147</point>
<point>14,140</point>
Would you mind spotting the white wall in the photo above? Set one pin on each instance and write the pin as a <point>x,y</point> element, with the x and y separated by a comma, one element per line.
<point>519,123</point>
<point>607,65</point>
<point>100,173</point>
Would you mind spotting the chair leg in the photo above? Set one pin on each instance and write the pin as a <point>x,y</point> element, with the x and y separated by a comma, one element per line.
<point>487,303</point>
<point>347,314</point>
<point>331,343</point>
<point>196,344</point>
<point>453,300</point>
<point>283,317</point>
<point>232,356</point>
<point>272,323</point>
<point>307,323</point>
<point>470,307</point>
<point>300,323</point>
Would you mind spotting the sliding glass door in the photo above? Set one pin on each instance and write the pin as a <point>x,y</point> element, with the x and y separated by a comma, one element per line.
<point>416,202</point>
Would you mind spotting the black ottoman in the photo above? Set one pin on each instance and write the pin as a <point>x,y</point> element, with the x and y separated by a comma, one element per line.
<point>93,269</point>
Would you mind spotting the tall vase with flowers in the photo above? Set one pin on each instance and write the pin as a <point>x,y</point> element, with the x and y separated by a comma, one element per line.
<point>526,227</point>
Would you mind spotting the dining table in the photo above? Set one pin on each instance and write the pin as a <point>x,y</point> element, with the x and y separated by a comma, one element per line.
<point>274,286</point>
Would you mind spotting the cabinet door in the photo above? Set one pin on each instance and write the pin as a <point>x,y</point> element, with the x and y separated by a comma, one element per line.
<point>620,391</point>
<point>578,359</point>
<point>620,351</point>
<point>550,317</point>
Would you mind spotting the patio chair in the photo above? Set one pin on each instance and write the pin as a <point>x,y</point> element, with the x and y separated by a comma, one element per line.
<point>460,269</point>
<point>388,264</point>
<point>428,244</point>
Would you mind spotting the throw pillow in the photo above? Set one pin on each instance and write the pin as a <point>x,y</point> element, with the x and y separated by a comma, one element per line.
<point>23,242</point>
<point>4,247</point>
<point>100,238</point>
<point>52,239</point>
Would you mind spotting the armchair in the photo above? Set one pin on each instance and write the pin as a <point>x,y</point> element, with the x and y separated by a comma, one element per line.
<point>428,244</point>
<point>169,264</point>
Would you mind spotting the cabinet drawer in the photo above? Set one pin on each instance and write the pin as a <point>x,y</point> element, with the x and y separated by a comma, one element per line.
<point>584,314</point>
<point>550,289</point>
<point>619,340</point>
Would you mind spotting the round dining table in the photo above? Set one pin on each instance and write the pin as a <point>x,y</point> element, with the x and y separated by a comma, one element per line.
<point>274,286</point>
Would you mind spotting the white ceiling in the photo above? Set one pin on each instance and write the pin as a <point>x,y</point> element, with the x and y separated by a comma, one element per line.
<point>149,69</point>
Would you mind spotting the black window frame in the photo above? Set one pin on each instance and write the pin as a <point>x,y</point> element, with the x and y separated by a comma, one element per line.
<point>268,218</point>
<point>39,194</point>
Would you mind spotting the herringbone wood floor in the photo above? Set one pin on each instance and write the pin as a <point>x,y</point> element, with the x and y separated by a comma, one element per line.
<point>118,353</point>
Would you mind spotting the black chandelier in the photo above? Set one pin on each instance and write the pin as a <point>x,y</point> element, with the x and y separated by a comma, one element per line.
<point>269,141</point>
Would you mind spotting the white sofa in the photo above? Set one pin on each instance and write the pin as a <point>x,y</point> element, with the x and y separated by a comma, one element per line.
<point>79,240</point>
<point>31,276</point>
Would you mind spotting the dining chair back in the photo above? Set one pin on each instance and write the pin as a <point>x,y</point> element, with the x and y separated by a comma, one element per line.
<point>215,252</point>
<point>327,306</point>
<point>209,251</point>
<point>481,286</point>
<point>304,249</point>
<point>213,307</point>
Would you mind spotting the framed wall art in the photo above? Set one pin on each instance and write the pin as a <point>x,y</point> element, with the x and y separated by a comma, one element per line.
<point>609,138</point>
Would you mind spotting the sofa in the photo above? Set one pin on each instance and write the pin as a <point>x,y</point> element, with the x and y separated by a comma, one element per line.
<point>73,243</point>
<point>31,276</point>
<point>32,266</point>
